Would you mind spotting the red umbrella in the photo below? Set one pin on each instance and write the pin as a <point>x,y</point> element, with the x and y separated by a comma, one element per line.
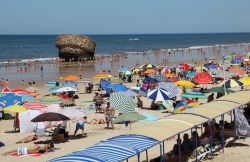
<point>22,91</point>
<point>237,70</point>
<point>184,66</point>
<point>203,78</point>
<point>6,90</point>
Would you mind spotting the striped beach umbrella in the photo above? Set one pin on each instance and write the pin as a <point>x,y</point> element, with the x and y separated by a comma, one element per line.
<point>169,87</point>
<point>237,71</point>
<point>15,109</point>
<point>35,105</point>
<point>194,95</point>
<point>51,100</point>
<point>231,83</point>
<point>122,102</point>
<point>203,78</point>
<point>27,97</point>
<point>130,116</point>
<point>158,95</point>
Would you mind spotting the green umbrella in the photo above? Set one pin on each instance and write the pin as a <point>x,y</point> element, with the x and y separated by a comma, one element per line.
<point>130,117</point>
<point>51,100</point>
<point>194,95</point>
<point>218,90</point>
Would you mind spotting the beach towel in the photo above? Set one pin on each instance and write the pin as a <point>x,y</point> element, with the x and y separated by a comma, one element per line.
<point>37,154</point>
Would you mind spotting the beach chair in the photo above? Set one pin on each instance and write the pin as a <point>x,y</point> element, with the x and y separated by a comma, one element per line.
<point>202,153</point>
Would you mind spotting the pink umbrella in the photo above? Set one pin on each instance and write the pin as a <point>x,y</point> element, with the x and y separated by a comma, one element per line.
<point>35,105</point>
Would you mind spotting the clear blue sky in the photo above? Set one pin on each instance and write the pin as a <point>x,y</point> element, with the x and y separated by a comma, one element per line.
<point>123,16</point>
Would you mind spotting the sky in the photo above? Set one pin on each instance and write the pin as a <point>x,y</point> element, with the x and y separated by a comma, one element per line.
<point>123,16</point>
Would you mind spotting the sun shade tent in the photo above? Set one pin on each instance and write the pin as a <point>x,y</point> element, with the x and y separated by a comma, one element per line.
<point>117,148</point>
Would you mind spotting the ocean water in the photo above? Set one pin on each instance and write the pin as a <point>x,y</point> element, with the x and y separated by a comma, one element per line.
<point>43,46</point>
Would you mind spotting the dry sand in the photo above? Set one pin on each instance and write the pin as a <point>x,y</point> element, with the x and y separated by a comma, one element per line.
<point>97,133</point>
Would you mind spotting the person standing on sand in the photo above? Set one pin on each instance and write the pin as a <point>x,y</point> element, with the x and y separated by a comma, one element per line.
<point>80,125</point>
<point>109,113</point>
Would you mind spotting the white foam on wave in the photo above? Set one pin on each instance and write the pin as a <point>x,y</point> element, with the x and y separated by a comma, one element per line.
<point>134,39</point>
<point>30,60</point>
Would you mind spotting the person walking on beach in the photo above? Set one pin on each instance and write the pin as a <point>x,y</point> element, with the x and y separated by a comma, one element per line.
<point>80,125</point>
<point>109,113</point>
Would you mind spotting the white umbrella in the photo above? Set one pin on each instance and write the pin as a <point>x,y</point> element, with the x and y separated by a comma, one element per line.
<point>65,89</point>
<point>72,113</point>
<point>158,95</point>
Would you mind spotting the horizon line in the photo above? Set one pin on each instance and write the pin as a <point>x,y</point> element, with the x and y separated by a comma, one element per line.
<point>134,33</point>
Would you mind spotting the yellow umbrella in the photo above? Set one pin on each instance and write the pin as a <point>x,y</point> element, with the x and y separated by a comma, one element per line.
<point>150,71</point>
<point>245,80</point>
<point>101,76</point>
<point>185,83</point>
<point>169,75</point>
<point>109,76</point>
<point>15,109</point>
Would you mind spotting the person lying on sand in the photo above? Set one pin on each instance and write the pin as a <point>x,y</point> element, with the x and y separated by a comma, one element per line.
<point>30,150</point>
<point>98,121</point>
<point>28,139</point>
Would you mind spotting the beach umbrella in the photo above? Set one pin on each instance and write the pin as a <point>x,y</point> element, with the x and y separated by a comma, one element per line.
<point>169,87</point>
<point>201,68</point>
<point>161,78</point>
<point>69,84</point>
<point>225,74</point>
<point>130,116</point>
<point>237,71</point>
<point>245,80</point>
<point>122,102</point>
<point>149,79</point>
<point>179,107</point>
<point>127,72</point>
<point>184,66</point>
<point>130,93</point>
<point>150,71</point>
<point>158,95</point>
<point>15,109</point>
<point>101,76</point>
<point>118,87</point>
<point>35,105</point>
<point>53,89</point>
<point>185,83</point>
<point>194,95</point>
<point>218,90</point>
<point>236,60</point>
<point>211,66</point>
<point>50,116</point>
<point>17,90</point>
<point>72,113</point>
<point>190,74</point>
<point>165,70</point>
<point>51,100</point>
<point>71,78</point>
<point>27,97</point>
<point>231,83</point>
<point>169,75</point>
<point>10,98</point>
<point>148,66</point>
<point>65,89</point>
<point>203,78</point>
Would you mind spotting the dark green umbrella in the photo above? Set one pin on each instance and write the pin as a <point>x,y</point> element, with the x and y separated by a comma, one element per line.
<point>218,90</point>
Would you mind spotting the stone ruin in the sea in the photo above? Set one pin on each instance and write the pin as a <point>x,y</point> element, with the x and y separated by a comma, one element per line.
<point>75,47</point>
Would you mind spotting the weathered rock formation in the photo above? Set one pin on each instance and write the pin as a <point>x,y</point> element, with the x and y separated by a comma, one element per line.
<point>75,47</point>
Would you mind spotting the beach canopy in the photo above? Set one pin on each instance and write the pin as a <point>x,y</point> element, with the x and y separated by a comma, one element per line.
<point>194,95</point>
<point>231,83</point>
<point>158,95</point>
<point>65,89</point>
<point>169,87</point>
<point>71,78</point>
<point>8,99</point>
<point>50,116</point>
<point>203,78</point>
<point>122,102</point>
<point>117,148</point>
<point>15,109</point>
<point>185,83</point>
<point>237,71</point>
<point>130,116</point>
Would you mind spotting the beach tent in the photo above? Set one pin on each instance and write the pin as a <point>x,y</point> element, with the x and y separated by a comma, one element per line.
<point>203,78</point>
<point>26,126</point>
<point>117,87</point>
<point>118,148</point>
<point>9,99</point>
<point>158,95</point>
<point>122,102</point>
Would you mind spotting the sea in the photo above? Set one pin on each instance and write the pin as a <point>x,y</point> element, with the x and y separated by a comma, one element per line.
<point>21,47</point>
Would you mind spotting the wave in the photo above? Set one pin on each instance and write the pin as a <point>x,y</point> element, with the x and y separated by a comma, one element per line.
<point>30,60</point>
<point>134,39</point>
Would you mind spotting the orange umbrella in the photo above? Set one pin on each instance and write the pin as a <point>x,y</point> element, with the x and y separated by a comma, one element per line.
<point>169,75</point>
<point>150,71</point>
<point>237,70</point>
<point>71,78</point>
<point>101,76</point>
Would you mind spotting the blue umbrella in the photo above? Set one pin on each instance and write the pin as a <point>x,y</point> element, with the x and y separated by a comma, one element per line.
<point>70,83</point>
<point>236,61</point>
<point>211,66</point>
<point>53,89</point>
<point>161,78</point>
<point>105,84</point>
<point>9,99</point>
<point>158,95</point>
<point>118,87</point>
<point>194,95</point>
<point>169,87</point>
<point>151,80</point>
<point>27,97</point>
<point>190,74</point>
